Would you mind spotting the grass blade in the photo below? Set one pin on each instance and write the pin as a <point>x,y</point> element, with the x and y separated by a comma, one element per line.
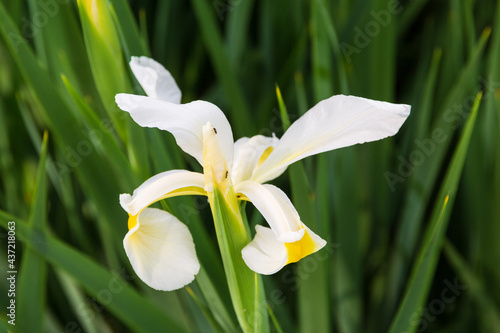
<point>425,265</point>
<point>488,311</point>
<point>213,43</point>
<point>33,271</point>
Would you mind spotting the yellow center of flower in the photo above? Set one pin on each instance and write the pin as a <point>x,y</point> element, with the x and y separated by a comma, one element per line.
<point>265,155</point>
<point>300,249</point>
<point>132,221</point>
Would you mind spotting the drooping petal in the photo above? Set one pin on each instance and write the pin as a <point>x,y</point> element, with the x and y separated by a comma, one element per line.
<point>308,244</point>
<point>184,121</point>
<point>250,153</point>
<point>161,250</point>
<point>276,208</point>
<point>161,186</point>
<point>265,254</point>
<point>156,81</point>
<point>336,122</point>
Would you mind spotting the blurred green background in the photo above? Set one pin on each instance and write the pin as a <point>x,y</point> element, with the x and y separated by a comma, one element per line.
<point>413,222</point>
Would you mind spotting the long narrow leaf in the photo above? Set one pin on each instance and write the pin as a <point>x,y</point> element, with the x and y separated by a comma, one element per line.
<point>425,265</point>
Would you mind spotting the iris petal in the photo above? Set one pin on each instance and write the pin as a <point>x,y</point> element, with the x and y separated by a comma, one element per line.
<point>184,121</point>
<point>249,153</point>
<point>265,254</point>
<point>156,81</point>
<point>161,250</point>
<point>336,122</point>
<point>276,208</point>
<point>161,186</point>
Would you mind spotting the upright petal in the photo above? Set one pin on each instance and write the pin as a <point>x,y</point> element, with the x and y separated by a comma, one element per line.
<point>215,167</point>
<point>249,153</point>
<point>276,208</point>
<point>161,186</point>
<point>161,250</point>
<point>184,121</point>
<point>265,254</point>
<point>336,122</point>
<point>156,81</point>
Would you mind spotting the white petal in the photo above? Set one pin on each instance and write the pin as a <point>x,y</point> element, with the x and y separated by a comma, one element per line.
<point>276,208</point>
<point>184,121</point>
<point>336,122</point>
<point>265,254</point>
<point>161,250</point>
<point>159,186</point>
<point>156,81</point>
<point>247,155</point>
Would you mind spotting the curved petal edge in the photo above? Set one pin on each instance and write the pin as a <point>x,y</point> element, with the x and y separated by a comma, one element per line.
<point>155,79</point>
<point>161,250</point>
<point>265,254</point>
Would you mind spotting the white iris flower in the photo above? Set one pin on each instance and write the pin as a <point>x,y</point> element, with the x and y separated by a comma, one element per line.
<point>160,247</point>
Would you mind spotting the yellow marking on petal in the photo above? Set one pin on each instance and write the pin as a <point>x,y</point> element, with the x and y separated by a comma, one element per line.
<point>265,155</point>
<point>300,249</point>
<point>241,196</point>
<point>132,221</point>
<point>189,190</point>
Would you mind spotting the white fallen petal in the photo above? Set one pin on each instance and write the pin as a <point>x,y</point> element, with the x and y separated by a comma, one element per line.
<point>248,154</point>
<point>156,81</point>
<point>184,121</point>
<point>159,186</point>
<point>161,250</point>
<point>265,254</point>
<point>336,122</point>
<point>276,208</point>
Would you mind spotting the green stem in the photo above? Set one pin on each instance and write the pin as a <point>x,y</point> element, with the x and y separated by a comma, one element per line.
<point>245,286</point>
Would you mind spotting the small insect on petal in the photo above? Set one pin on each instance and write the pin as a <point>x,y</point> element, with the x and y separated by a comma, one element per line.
<point>215,130</point>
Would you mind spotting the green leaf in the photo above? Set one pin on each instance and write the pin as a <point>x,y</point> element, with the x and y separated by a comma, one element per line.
<point>321,56</point>
<point>325,21</point>
<point>209,316</point>
<point>285,119</point>
<point>425,264</point>
<point>300,91</point>
<point>104,140</point>
<point>106,61</point>
<point>105,57</point>
<point>487,309</point>
<point>245,286</point>
<point>237,29</point>
<point>213,42</point>
<point>7,167</point>
<point>76,297</point>
<point>126,26</point>
<point>423,179</point>
<point>62,187</point>
<point>61,118</point>
<point>313,292</point>
<point>349,229</point>
<point>214,302</point>
<point>32,270</point>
